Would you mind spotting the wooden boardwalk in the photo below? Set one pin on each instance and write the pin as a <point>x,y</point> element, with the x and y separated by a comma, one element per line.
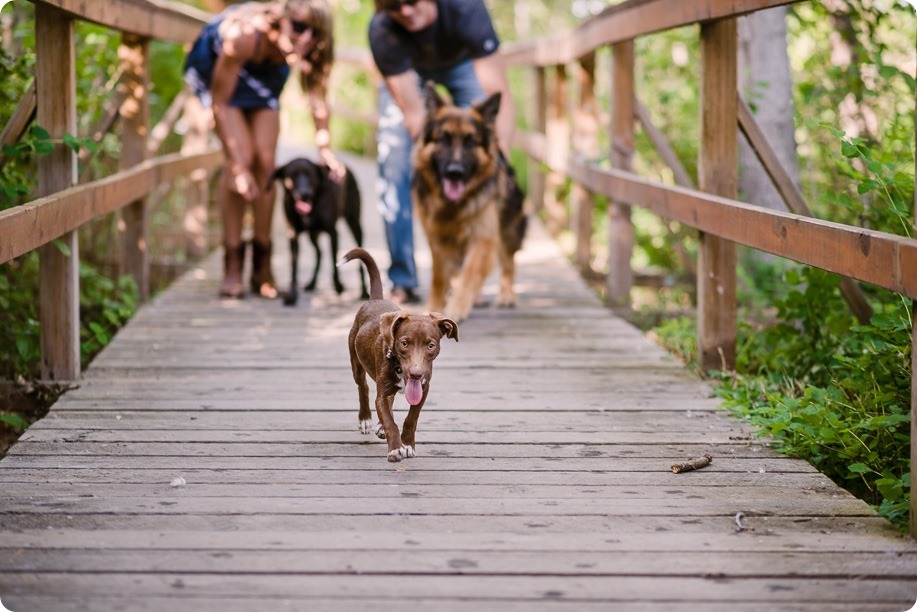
<point>542,480</point>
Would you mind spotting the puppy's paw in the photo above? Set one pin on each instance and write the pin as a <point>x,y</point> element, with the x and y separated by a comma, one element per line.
<point>400,453</point>
<point>409,452</point>
<point>366,426</point>
<point>380,431</point>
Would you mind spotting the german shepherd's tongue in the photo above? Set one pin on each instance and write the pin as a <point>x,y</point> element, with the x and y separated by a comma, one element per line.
<point>453,189</point>
<point>413,391</point>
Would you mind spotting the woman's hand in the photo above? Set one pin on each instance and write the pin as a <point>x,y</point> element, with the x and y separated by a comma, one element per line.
<point>335,167</point>
<point>242,181</point>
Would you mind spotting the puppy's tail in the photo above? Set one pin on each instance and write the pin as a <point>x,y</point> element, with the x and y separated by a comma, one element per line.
<point>375,279</point>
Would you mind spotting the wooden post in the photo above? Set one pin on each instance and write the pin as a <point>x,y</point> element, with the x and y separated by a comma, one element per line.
<point>59,289</point>
<point>717,174</point>
<point>620,278</point>
<point>913,513</point>
<point>134,53</point>
<point>558,137</point>
<point>197,192</point>
<point>585,143</point>
<point>539,120</point>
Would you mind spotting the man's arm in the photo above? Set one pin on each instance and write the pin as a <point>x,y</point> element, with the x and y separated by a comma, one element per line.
<point>406,94</point>
<point>491,75</point>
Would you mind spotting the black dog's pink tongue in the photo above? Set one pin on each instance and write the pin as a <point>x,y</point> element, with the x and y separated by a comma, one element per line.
<point>303,208</point>
<point>453,190</point>
<point>413,391</point>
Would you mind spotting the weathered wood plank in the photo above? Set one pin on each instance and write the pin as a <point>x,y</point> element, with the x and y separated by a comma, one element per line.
<point>154,18</point>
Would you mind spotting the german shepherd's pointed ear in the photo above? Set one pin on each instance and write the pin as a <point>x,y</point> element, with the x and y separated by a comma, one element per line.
<point>388,327</point>
<point>432,100</point>
<point>489,108</point>
<point>447,326</point>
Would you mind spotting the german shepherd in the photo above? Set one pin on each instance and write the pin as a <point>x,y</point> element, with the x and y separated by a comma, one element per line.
<point>467,199</point>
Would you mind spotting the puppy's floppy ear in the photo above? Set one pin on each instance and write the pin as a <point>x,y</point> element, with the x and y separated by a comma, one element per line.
<point>388,327</point>
<point>447,326</point>
<point>489,108</point>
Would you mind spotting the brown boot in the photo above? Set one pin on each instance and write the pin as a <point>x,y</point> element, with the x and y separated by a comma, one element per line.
<point>233,258</point>
<point>263,283</point>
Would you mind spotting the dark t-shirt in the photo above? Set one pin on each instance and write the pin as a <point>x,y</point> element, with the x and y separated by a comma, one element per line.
<point>462,31</point>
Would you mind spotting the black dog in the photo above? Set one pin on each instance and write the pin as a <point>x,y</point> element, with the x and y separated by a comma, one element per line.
<point>313,203</point>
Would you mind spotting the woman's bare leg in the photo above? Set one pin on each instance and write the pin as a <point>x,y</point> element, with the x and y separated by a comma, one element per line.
<point>265,125</point>
<point>232,205</point>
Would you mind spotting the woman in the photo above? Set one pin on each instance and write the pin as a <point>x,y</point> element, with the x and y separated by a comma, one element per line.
<point>238,66</point>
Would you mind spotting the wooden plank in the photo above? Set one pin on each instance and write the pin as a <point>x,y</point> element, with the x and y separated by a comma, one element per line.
<point>27,227</point>
<point>59,288</point>
<point>539,119</point>
<point>626,21</point>
<point>718,173</point>
<point>491,590</point>
<point>160,19</point>
<point>557,129</point>
<point>468,563</point>
<point>134,88</point>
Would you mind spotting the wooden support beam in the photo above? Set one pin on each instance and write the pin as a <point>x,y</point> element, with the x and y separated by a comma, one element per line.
<point>586,145</point>
<point>134,53</point>
<point>536,176</point>
<point>620,278</point>
<point>196,184</point>
<point>59,290</point>
<point>558,133</point>
<point>794,200</point>
<point>19,121</point>
<point>162,129</point>
<point>913,512</point>
<point>668,155</point>
<point>717,174</point>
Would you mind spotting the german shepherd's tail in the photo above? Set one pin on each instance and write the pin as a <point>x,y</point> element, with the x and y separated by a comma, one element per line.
<point>375,278</point>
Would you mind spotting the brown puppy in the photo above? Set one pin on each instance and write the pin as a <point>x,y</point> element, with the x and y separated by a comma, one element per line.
<point>397,350</point>
<point>466,196</point>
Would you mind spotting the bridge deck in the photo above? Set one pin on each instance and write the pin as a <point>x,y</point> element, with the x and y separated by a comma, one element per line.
<point>542,480</point>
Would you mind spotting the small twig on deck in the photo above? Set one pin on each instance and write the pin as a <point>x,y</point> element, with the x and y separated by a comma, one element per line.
<point>739,525</point>
<point>692,464</point>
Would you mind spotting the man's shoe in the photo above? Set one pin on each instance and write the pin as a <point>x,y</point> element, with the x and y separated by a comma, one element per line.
<point>404,295</point>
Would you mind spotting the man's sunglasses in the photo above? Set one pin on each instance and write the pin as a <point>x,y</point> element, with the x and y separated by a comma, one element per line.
<point>301,26</point>
<point>394,6</point>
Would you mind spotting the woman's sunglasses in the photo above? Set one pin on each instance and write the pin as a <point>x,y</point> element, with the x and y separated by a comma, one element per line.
<point>395,5</point>
<point>301,26</point>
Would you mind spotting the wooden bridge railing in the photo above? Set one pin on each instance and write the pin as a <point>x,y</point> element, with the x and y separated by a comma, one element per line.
<point>63,206</point>
<point>879,258</point>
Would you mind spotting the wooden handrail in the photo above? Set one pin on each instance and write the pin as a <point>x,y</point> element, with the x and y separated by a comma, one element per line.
<point>27,227</point>
<point>626,21</point>
<point>159,19</point>
<point>879,258</point>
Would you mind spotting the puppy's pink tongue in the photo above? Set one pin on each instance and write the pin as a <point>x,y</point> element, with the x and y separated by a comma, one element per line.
<point>303,208</point>
<point>453,190</point>
<point>413,391</point>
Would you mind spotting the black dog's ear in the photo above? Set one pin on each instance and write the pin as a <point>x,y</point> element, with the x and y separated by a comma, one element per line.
<point>489,108</point>
<point>276,175</point>
<point>447,326</point>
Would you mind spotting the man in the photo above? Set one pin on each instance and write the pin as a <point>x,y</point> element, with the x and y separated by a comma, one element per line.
<point>453,43</point>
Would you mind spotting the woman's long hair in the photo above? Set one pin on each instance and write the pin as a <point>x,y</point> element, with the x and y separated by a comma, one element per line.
<point>317,13</point>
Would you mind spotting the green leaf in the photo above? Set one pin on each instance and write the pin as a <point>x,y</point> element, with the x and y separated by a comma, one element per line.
<point>13,420</point>
<point>859,468</point>
<point>43,147</point>
<point>62,247</point>
<point>40,132</point>
<point>73,142</point>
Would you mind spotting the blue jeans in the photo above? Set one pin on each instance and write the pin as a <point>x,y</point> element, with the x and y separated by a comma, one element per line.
<point>393,146</point>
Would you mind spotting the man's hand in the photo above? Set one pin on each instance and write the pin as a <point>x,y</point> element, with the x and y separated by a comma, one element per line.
<point>243,182</point>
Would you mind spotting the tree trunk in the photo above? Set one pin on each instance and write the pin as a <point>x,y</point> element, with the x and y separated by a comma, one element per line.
<point>765,83</point>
